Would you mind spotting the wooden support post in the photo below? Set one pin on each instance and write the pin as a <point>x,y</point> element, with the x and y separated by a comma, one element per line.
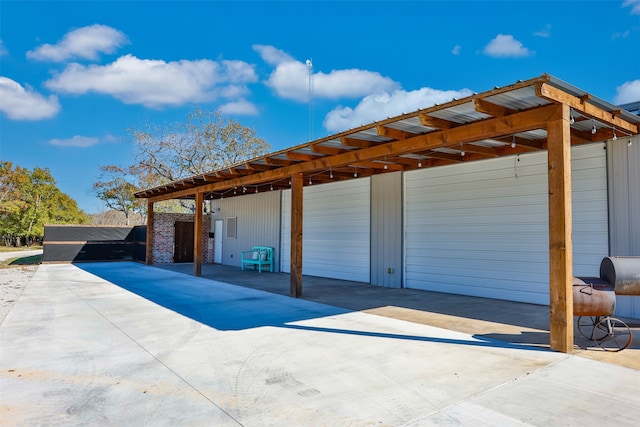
<point>197,236</point>
<point>560,226</point>
<point>149,237</point>
<point>296,235</point>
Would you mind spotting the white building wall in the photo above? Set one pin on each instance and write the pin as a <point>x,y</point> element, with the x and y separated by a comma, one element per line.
<point>482,228</point>
<point>624,210</point>
<point>336,230</point>
<point>257,220</point>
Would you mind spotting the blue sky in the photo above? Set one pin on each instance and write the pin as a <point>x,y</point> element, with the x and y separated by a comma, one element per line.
<point>74,76</point>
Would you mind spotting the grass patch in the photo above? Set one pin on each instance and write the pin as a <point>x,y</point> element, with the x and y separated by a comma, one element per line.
<point>28,260</point>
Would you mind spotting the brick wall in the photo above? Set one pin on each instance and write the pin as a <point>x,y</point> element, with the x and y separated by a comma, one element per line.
<point>163,237</point>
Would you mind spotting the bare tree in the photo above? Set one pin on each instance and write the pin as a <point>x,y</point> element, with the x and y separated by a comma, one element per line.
<point>207,141</point>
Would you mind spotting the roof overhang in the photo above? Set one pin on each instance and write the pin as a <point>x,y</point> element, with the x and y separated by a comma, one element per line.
<point>500,122</point>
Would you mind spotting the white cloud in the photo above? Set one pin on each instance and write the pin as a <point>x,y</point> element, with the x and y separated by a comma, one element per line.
<point>76,141</point>
<point>273,56</point>
<point>545,32</point>
<point>383,105</point>
<point>23,103</point>
<point>84,43</point>
<point>456,50</point>
<point>628,92</point>
<point>240,107</point>
<point>3,50</point>
<point>506,46</point>
<point>634,4</point>
<point>156,83</point>
<point>290,79</point>
<point>620,35</point>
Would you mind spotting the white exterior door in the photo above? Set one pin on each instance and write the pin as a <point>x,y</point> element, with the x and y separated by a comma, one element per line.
<point>482,228</point>
<point>217,242</point>
<point>336,230</point>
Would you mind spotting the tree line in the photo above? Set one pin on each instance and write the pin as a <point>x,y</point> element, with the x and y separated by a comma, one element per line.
<point>29,199</point>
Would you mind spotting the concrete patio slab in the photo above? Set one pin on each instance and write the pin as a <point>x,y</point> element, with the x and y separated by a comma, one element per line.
<point>128,344</point>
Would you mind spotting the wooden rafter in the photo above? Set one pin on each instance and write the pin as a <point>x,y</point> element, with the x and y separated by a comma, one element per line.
<point>486,107</point>
<point>330,151</point>
<point>434,122</point>
<point>392,133</point>
<point>354,142</point>
<point>302,157</point>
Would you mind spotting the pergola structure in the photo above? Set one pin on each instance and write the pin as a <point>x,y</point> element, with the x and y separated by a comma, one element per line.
<point>543,113</point>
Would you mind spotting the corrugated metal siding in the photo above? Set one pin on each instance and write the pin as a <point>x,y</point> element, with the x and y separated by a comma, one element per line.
<point>482,228</point>
<point>623,163</point>
<point>386,230</point>
<point>336,231</point>
<point>258,223</point>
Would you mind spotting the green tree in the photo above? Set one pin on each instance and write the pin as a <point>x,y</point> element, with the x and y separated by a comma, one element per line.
<point>29,199</point>
<point>116,190</point>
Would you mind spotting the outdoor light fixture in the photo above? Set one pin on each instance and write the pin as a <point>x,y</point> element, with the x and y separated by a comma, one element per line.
<point>513,142</point>
<point>462,153</point>
<point>385,163</point>
<point>419,163</point>
<point>355,173</point>
<point>310,182</point>
<point>629,143</point>
<point>330,173</point>
<point>256,188</point>
<point>572,119</point>
<point>594,130</point>
<point>615,137</point>
<point>271,187</point>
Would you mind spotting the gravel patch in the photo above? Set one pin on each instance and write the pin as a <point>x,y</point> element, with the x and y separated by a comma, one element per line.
<point>13,280</point>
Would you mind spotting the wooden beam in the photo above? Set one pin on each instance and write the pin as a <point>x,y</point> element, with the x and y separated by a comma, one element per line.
<point>535,118</point>
<point>331,151</point>
<point>297,185</point>
<point>257,166</point>
<point>149,237</point>
<point>354,142</point>
<point>434,122</point>
<point>581,105</point>
<point>197,235</point>
<point>278,162</point>
<point>302,157</point>
<point>393,133</point>
<point>560,225</point>
<point>495,110</point>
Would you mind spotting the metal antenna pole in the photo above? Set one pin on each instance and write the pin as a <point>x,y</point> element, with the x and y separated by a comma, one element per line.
<point>310,69</point>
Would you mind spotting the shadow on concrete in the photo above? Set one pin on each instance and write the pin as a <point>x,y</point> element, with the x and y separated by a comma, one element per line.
<point>225,306</point>
<point>363,296</point>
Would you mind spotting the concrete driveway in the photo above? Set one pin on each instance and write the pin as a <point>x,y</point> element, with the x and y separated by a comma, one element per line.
<point>128,344</point>
<point>19,254</point>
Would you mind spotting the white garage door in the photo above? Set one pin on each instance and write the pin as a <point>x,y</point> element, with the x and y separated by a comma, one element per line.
<point>482,228</point>
<point>335,230</point>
